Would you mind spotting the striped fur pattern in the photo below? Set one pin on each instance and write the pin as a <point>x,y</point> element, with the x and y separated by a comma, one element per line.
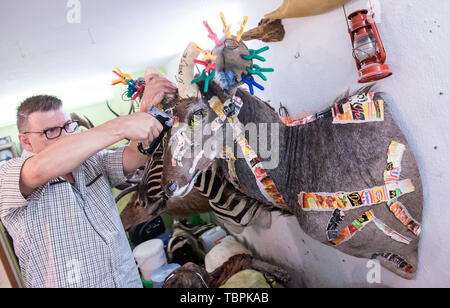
<point>229,204</point>
<point>213,192</point>
<point>149,189</point>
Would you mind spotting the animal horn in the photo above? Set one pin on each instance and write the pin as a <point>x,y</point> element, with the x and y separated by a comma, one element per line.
<point>152,70</point>
<point>186,73</point>
<point>126,191</point>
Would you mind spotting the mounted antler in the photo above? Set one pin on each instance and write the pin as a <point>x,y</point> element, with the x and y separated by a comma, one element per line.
<point>82,122</point>
<point>268,30</point>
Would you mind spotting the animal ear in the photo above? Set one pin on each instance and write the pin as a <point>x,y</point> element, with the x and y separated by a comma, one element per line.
<point>186,73</point>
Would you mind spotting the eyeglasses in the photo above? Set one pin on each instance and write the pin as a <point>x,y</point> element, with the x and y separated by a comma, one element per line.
<point>55,132</point>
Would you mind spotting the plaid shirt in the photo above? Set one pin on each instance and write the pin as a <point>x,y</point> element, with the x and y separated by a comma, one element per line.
<point>69,235</point>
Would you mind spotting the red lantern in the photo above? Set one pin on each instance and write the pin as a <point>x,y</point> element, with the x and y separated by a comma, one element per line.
<point>368,49</point>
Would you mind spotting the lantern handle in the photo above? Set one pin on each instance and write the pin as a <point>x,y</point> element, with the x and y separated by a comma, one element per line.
<point>371,7</point>
<point>371,19</point>
<point>346,16</point>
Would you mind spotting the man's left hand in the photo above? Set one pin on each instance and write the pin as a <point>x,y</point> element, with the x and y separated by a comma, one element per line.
<point>156,87</point>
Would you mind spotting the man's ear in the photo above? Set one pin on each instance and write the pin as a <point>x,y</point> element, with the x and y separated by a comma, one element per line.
<point>25,141</point>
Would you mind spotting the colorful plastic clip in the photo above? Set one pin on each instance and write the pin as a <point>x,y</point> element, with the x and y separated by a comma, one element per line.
<point>208,56</point>
<point>241,30</point>
<point>123,77</point>
<point>209,66</point>
<point>226,28</point>
<point>251,82</point>
<point>211,34</point>
<point>139,90</point>
<point>205,77</point>
<point>254,54</point>
<point>257,70</point>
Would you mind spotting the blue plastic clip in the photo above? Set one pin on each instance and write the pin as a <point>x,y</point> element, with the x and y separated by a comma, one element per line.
<point>251,82</point>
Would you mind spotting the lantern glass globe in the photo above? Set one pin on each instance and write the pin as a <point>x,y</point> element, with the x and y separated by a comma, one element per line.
<point>365,47</point>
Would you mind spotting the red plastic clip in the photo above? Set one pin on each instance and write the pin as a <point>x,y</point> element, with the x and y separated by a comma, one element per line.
<point>140,89</point>
<point>207,64</point>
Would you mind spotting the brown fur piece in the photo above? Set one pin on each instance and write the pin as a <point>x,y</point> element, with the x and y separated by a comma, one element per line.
<point>234,265</point>
<point>241,262</point>
<point>189,275</point>
<point>133,214</point>
<point>271,271</point>
<point>268,30</point>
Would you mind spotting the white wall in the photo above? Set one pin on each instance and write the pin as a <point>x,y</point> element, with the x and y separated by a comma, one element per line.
<point>415,34</point>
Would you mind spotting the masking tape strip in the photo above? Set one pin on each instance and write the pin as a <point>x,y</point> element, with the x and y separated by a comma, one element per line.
<point>351,200</point>
<point>196,160</point>
<point>392,175</point>
<point>359,109</point>
<point>298,121</point>
<point>228,156</point>
<point>402,214</point>
<point>358,224</point>
<point>391,233</point>
<point>393,164</point>
<point>401,263</point>
<point>351,229</point>
<point>264,182</point>
<point>335,219</point>
<point>183,144</point>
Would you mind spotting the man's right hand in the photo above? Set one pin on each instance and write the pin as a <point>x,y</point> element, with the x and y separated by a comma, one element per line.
<point>140,126</point>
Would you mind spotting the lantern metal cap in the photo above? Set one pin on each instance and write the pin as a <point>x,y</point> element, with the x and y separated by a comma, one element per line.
<point>363,11</point>
<point>374,72</point>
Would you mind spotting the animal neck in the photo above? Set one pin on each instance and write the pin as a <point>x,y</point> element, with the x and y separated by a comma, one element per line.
<point>271,153</point>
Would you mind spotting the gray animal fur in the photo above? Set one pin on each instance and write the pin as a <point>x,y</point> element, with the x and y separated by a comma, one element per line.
<point>325,157</point>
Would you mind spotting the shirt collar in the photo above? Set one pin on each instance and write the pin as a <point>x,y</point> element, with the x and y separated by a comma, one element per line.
<point>27,154</point>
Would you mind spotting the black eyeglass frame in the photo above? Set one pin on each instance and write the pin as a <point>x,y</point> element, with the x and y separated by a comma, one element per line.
<point>60,130</point>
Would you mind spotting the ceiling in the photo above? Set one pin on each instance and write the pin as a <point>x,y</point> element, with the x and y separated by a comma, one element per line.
<point>42,52</point>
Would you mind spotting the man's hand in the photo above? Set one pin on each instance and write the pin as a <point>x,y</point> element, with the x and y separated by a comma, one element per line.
<point>156,87</point>
<point>141,127</point>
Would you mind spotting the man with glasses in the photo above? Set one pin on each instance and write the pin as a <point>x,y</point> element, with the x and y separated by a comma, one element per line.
<point>56,199</point>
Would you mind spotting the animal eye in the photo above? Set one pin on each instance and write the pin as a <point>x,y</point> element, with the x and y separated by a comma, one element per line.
<point>201,112</point>
<point>197,116</point>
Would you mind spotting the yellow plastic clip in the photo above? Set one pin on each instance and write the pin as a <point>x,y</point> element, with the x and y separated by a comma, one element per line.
<point>123,77</point>
<point>226,28</point>
<point>208,56</point>
<point>241,31</point>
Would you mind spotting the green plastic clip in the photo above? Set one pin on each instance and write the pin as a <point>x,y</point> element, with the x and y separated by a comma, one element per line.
<point>205,77</point>
<point>254,54</point>
<point>257,70</point>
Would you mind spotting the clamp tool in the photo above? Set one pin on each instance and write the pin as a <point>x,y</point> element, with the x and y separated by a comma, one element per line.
<point>167,123</point>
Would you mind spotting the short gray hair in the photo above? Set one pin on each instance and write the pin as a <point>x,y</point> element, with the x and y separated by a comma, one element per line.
<point>33,104</point>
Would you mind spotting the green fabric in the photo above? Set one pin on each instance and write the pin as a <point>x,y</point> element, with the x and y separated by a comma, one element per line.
<point>246,279</point>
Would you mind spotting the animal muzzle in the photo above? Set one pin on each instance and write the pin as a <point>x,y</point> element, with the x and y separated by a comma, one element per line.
<point>173,189</point>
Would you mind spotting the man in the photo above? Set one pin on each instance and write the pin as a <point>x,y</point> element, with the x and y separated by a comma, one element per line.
<point>56,200</point>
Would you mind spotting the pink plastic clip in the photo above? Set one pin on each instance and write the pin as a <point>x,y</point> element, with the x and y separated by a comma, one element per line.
<point>211,34</point>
